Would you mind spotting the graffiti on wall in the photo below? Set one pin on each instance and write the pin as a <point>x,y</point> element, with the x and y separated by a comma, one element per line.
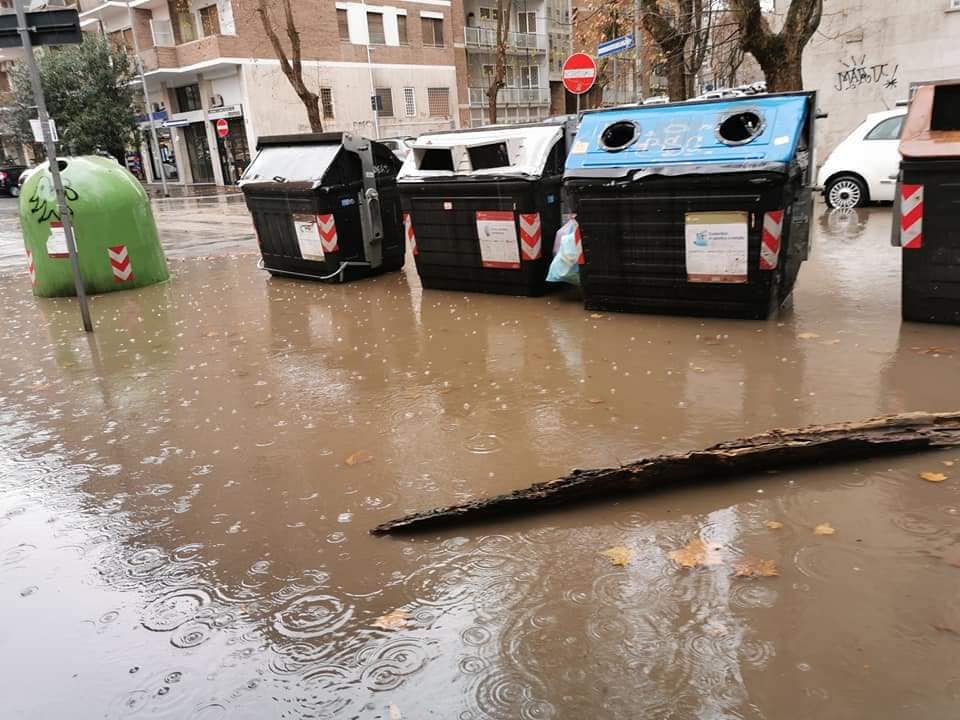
<point>857,73</point>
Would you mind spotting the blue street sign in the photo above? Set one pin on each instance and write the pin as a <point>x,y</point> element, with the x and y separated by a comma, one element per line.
<point>612,47</point>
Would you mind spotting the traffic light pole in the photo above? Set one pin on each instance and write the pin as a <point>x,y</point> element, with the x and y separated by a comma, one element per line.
<point>52,161</point>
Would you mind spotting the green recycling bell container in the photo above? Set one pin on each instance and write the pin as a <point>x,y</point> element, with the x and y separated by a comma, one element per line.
<point>117,241</point>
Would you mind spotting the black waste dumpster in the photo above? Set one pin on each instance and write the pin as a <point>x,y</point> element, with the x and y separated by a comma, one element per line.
<point>325,206</point>
<point>927,213</point>
<point>695,208</point>
<point>481,207</point>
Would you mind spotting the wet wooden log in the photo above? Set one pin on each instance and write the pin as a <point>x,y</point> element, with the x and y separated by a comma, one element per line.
<point>773,450</point>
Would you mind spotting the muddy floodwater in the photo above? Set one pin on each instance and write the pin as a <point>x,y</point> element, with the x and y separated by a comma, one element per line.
<point>185,500</point>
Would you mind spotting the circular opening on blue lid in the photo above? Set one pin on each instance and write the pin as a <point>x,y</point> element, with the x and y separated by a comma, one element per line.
<point>619,135</point>
<point>739,128</point>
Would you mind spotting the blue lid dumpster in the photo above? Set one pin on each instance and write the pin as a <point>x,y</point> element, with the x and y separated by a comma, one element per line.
<point>695,208</point>
<point>325,206</point>
<point>927,212</point>
<point>481,207</point>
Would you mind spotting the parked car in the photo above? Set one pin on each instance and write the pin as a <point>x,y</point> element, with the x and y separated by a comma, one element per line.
<point>863,168</point>
<point>400,146</point>
<point>10,179</point>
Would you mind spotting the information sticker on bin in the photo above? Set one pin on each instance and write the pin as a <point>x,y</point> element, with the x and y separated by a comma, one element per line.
<point>308,236</point>
<point>497,233</point>
<point>716,247</point>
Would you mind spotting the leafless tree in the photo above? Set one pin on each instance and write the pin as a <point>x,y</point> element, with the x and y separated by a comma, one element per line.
<point>504,10</point>
<point>292,64</point>
<point>682,30</point>
<point>780,54</point>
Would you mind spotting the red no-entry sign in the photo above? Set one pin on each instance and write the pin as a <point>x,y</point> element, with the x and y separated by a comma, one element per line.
<point>579,73</point>
<point>223,128</point>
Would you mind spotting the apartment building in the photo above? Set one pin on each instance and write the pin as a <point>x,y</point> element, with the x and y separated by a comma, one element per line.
<point>538,42</point>
<point>207,60</point>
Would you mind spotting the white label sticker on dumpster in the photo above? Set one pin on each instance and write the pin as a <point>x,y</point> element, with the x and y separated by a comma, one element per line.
<point>497,231</point>
<point>57,242</point>
<point>308,236</point>
<point>716,247</point>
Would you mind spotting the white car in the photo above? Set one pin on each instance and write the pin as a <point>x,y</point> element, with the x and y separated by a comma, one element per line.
<point>864,166</point>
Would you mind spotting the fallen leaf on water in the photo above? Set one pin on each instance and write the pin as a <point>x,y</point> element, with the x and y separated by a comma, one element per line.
<point>808,336</point>
<point>831,342</point>
<point>395,620</point>
<point>395,713</point>
<point>774,524</point>
<point>595,401</point>
<point>933,477</point>
<point>946,629</point>
<point>949,463</point>
<point>932,351</point>
<point>952,556</point>
<point>359,458</point>
<point>597,316</point>
<point>618,555</point>
<point>754,567</point>
<point>697,553</point>
<point>824,529</point>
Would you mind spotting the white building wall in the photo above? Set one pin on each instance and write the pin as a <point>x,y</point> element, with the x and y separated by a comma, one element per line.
<point>868,52</point>
<point>271,106</point>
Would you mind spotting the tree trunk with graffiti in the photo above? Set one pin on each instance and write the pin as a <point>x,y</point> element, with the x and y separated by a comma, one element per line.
<point>780,54</point>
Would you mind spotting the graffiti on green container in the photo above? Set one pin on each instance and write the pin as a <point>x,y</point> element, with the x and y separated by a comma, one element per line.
<point>43,201</point>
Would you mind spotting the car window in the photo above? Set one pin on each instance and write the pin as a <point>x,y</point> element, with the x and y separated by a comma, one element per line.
<point>888,129</point>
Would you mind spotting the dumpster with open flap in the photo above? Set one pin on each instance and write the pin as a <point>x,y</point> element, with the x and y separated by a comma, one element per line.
<point>927,210</point>
<point>694,208</point>
<point>325,206</point>
<point>118,247</point>
<point>481,206</point>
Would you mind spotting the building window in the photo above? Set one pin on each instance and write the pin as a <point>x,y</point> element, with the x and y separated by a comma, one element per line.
<point>375,28</point>
<point>489,13</point>
<point>4,81</point>
<point>509,78</point>
<point>438,100</point>
<point>209,20</point>
<point>326,103</point>
<point>527,22</point>
<point>402,28</point>
<point>184,29</point>
<point>955,4</point>
<point>432,32</point>
<point>386,102</point>
<point>188,98</point>
<point>342,25</point>
<point>410,102</point>
<point>529,76</point>
<point>122,40</point>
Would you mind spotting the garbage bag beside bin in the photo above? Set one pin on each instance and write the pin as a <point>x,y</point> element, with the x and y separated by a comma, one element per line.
<point>481,206</point>
<point>927,211</point>
<point>117,243</point>
<point>694,208</point>
<point>325,206</point>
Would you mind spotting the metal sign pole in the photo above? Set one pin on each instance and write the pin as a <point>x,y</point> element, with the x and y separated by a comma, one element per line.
<point>53,162</point>
<point>146,100</point>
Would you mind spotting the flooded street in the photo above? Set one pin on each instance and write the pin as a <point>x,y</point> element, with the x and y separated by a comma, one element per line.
<point>185,499</point>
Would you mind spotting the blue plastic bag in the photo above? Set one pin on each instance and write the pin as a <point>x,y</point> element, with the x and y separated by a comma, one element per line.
<point>567,254</point>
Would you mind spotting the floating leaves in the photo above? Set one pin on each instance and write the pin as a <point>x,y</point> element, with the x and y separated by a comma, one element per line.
<point>597,316</point>
<point>824,529</point>
<point>808,336</point>
<point>618,555</point>
<point>754,567</point>
<point>395,620</point>
<point>935,351</point>
<point>774,524</point>
<point>933,477</point>
<point>697,553</point>
<point>359,458</point>
<point>949,463</point>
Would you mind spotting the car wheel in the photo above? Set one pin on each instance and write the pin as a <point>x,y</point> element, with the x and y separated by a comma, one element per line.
<point>846,192</point>
<point>14,191</point>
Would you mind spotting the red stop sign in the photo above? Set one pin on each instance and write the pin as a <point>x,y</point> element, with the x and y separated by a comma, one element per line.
<point>579,73</point>
<point>223,129</point>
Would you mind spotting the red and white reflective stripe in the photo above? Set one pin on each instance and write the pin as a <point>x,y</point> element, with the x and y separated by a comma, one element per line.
<point>408,232</point>
<point>770,239</point>
<point>120,263</point>
<point>579,240</point>
<point>911,216</point>
<point>531,236</point>
<point>328,233</point>
<point>31,269</point>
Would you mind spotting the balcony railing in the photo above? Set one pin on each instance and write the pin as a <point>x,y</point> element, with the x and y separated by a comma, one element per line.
<point>477,37</point>
<point>511,96</point>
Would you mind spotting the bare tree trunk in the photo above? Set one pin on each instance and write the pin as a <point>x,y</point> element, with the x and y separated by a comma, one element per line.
<point>292,66</point>
<point>504,9</point>
<point>780,54</point>
<point>774,450</point>
<point>671,40</point>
